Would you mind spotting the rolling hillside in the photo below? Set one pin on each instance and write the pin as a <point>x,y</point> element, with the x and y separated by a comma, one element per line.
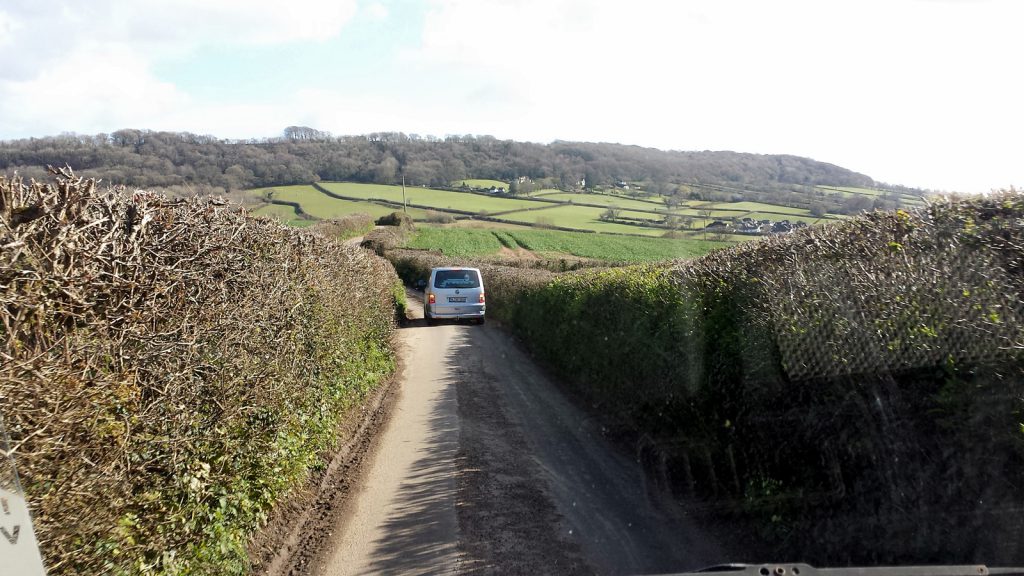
<point>186,164</point>
<point>598,211</point>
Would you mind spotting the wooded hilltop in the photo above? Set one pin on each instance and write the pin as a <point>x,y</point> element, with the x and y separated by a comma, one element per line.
<point>185,164</point>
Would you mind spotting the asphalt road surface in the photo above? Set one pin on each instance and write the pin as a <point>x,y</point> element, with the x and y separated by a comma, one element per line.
<point>485,468</point>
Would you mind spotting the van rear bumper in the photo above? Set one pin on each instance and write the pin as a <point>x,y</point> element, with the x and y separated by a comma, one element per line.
<point>453,312</point>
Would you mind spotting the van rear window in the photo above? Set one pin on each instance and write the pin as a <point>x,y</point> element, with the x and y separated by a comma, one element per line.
<point>456,279</point>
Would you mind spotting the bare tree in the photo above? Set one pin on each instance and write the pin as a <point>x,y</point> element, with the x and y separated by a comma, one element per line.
<point>706,213</point>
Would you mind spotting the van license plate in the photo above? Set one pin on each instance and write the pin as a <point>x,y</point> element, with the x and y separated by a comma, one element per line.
<point>453,299</point>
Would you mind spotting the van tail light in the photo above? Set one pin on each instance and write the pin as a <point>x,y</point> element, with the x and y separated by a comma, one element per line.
<point>481,297</point>
<point>430,298</point>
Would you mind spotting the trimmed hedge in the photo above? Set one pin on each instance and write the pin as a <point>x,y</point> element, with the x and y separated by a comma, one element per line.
<point>854,393</point>
<point>348,226</point>
<point>172,369</point>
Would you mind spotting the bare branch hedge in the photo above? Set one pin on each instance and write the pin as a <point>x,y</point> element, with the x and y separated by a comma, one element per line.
<point>170,369</point>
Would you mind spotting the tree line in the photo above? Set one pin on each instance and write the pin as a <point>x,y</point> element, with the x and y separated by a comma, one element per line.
<point>191,163</point>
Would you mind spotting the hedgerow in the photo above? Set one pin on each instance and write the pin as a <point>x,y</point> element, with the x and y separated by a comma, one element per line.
<point>347,226</point>
<point>171,369</point>
<point>854,392</point>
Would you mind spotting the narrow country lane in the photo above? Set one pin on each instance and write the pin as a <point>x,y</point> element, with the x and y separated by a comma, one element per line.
<point>403,518</point>
<point>484,467</point>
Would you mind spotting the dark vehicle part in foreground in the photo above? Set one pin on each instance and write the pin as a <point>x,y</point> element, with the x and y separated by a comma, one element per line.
<point>791,569</point>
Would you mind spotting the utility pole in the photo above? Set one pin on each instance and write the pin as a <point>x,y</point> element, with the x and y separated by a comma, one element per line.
<point>405,206</point>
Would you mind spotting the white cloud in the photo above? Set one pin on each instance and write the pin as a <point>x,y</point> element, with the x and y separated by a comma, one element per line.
<point>907,91</point>
<point>376,12</point>
<point>210,21</point>
<point>226,120</point>
<point>88,66</point>
<point>8,27</point>
<point>91,90</point>
<point>47,30</point>
<point>233,21</point>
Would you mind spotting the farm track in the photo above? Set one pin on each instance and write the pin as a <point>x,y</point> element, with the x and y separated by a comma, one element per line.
<point>485,467</point>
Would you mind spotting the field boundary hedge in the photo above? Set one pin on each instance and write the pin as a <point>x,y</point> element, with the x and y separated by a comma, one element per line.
<point>299,212</point>
<point>171,369</point>
<point>390,203</point>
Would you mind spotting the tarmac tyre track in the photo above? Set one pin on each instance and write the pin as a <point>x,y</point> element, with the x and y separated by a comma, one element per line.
<point>600,491</point>
<point>508,521</point>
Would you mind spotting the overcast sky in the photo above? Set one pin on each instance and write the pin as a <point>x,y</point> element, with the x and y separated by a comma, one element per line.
<point>925,93</point>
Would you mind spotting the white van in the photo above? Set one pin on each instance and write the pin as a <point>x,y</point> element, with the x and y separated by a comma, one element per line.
<point>454,293</point>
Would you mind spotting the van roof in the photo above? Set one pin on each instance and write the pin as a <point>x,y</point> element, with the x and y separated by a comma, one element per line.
<point>454,268</point>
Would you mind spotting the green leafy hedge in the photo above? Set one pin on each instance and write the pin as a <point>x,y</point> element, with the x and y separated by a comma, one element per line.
<point>854,392</point>
<point>172,369</point>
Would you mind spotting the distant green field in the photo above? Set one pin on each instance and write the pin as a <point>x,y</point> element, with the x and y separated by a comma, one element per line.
<point>583,218</point>
<point>283,214</point>
<point>790,217</point>
<point>472,242</point>
<point>607,247</point>
<point>653,198</point>
<point>694,212</point>
<point>727,214</point>
<point>761,207</point>
<point>852,190</point>
<point>905,199</point>
<point>480,183</point>
<point>440,199</point>
<point>605,200</point>
<point>912,201</point>
<point>461,242</point>
<point>319,205</point>
<point>482,224</point>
